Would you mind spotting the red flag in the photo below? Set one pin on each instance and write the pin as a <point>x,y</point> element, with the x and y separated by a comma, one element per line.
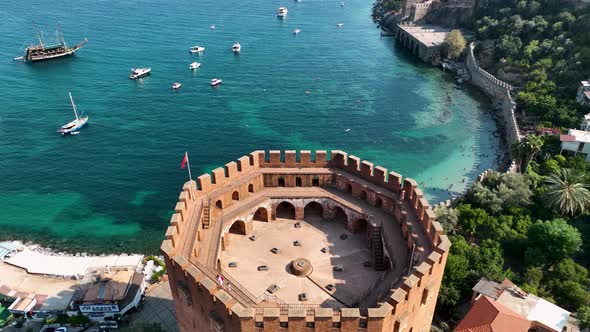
<point>184,160</point>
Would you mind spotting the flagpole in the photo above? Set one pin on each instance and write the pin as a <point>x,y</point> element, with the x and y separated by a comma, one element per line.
<point>188,164</point>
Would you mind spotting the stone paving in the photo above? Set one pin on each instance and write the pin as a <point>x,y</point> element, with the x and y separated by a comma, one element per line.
<point>158,308</point>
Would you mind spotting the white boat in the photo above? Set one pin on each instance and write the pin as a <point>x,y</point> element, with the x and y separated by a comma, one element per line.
<point>282,12</point>
<point>212,27</point>
<point>196,49</point>
<point>339,25</point>
<point>237,47</point>
<point>342,4</point>
<point>296,31</point>
<point>195,65</point>
<point>139,73</point>
<point>73,126</point>
<point>215,82</point>
<point>176,85</point>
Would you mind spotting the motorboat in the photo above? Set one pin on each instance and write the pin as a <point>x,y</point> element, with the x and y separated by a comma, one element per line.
<point>339,25</point>
<point>296,31</point>
<point>73,126</point>
<point>195,65</point>
<point>139,73</point>
<point>237,47</point>
<point>212,27</point>
<point>215,82</point>
<point>282,12</point>
<point>176,85</point>
<point>196,49</point>
<point>342,4</point>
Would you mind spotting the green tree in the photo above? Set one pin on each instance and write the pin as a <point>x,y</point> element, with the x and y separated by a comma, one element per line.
<point>583,316</point>
<point>552,241</point>
<point>571,295</point>
<point>454,43</point>
<point>566,193</point>
<point>144,327</point>
<point>448,218</point>
<point>500,191</point>
<point>509,46</point>
<point>526,149</point>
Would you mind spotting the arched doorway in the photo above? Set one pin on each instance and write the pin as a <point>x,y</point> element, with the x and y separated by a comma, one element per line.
<point>281,182</point>
<point>378,202</point>
<point>363,195</point>
<point>361,226</point>
<point>313,210</point>
<point>285,210</point>
<point>340,216</point>
<point>219,204</point>
<point>235,196</point>
<point>261,214</point>
<point>349,188</point>
<point>315,181</point>
<point>238,227</point>
<point>250,188</point>
<point>298,182</point>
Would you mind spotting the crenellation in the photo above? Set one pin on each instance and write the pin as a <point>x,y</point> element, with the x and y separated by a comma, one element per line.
<point>258,172</point>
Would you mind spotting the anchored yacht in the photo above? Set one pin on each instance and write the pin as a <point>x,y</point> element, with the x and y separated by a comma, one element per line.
<point>196,49</point>
<point>73,126</point>
<point>194,65</point>
<point>176,85</point>
<point>237,47</point>
<point>215,82</point>
<point>139,73</point>
<point>282,12</point>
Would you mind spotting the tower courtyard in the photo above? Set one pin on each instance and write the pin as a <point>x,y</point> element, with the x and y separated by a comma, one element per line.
<point>301,241</point>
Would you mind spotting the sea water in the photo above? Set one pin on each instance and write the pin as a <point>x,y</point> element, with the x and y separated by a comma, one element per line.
<point>113,186</point>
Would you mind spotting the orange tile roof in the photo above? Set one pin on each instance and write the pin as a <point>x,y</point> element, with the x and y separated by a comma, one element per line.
<point>487,315</point>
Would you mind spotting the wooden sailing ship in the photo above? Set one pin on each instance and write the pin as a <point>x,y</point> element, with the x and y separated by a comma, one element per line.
<point>43,51</point>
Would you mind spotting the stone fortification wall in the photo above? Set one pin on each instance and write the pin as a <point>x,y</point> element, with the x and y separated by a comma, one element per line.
<point>500,92</point>
<point>202,306</point>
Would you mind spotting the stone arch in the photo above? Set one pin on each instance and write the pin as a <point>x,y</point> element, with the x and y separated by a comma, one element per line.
<point>261,214</point>
<point>313,210</point>
<point>298,182</point>
<point>235,196</point>
<point>251,188</point>
<point>339,215</point>
<point>349,188</point>
<point>378,202</point>
<point>285,210</point>
<point>238,227</point>
<point>219,204</point>
<point>363,195</point>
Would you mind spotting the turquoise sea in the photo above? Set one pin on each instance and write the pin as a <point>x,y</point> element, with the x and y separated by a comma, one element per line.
<point>111,188</point>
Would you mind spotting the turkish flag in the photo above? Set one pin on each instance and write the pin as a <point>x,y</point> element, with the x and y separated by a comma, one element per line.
<point>184,160</point>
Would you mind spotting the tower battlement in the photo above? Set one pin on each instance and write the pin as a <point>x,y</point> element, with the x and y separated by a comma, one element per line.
<point>352,210</point>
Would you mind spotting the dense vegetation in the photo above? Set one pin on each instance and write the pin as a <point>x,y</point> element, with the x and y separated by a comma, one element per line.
<point>547,44</point>
<point>532,228</point>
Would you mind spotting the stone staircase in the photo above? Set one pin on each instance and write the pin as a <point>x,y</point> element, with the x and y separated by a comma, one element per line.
<point>377,249</point>
<point>206,216</point>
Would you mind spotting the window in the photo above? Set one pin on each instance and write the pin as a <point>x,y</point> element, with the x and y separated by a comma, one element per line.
<point>219,204</point>
<point>250,188</point>
<point>298,182</point>
<point>281,182</point>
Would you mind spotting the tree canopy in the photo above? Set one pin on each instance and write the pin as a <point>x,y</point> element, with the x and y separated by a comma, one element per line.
<point>454,43</point>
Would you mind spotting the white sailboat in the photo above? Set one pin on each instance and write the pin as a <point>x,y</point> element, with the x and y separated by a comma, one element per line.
<point>73,126</point>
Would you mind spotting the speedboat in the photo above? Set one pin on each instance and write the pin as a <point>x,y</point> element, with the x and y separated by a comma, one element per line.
<point>237,47</point>
<point>73,126</point>
<point>176,85</point>
<point>196,49</point>
<point>139,73</point>
<point>215,82</point>
<point>296,31</point>
<point>282,12</point>
<point>212,27</point>
<point>339,25</point>
<point>195,65</point>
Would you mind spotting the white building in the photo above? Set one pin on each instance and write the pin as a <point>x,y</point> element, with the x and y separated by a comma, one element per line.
<point>583,95</point>
<point>576,142</point>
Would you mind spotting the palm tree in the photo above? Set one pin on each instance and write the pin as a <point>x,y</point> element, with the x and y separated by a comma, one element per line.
<point>566,193</point>
<point>526,149</point>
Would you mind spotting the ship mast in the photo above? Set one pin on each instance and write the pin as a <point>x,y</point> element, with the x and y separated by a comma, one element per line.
<point>73,105</point>
<point>38,35</point>
<point>60,35</point>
